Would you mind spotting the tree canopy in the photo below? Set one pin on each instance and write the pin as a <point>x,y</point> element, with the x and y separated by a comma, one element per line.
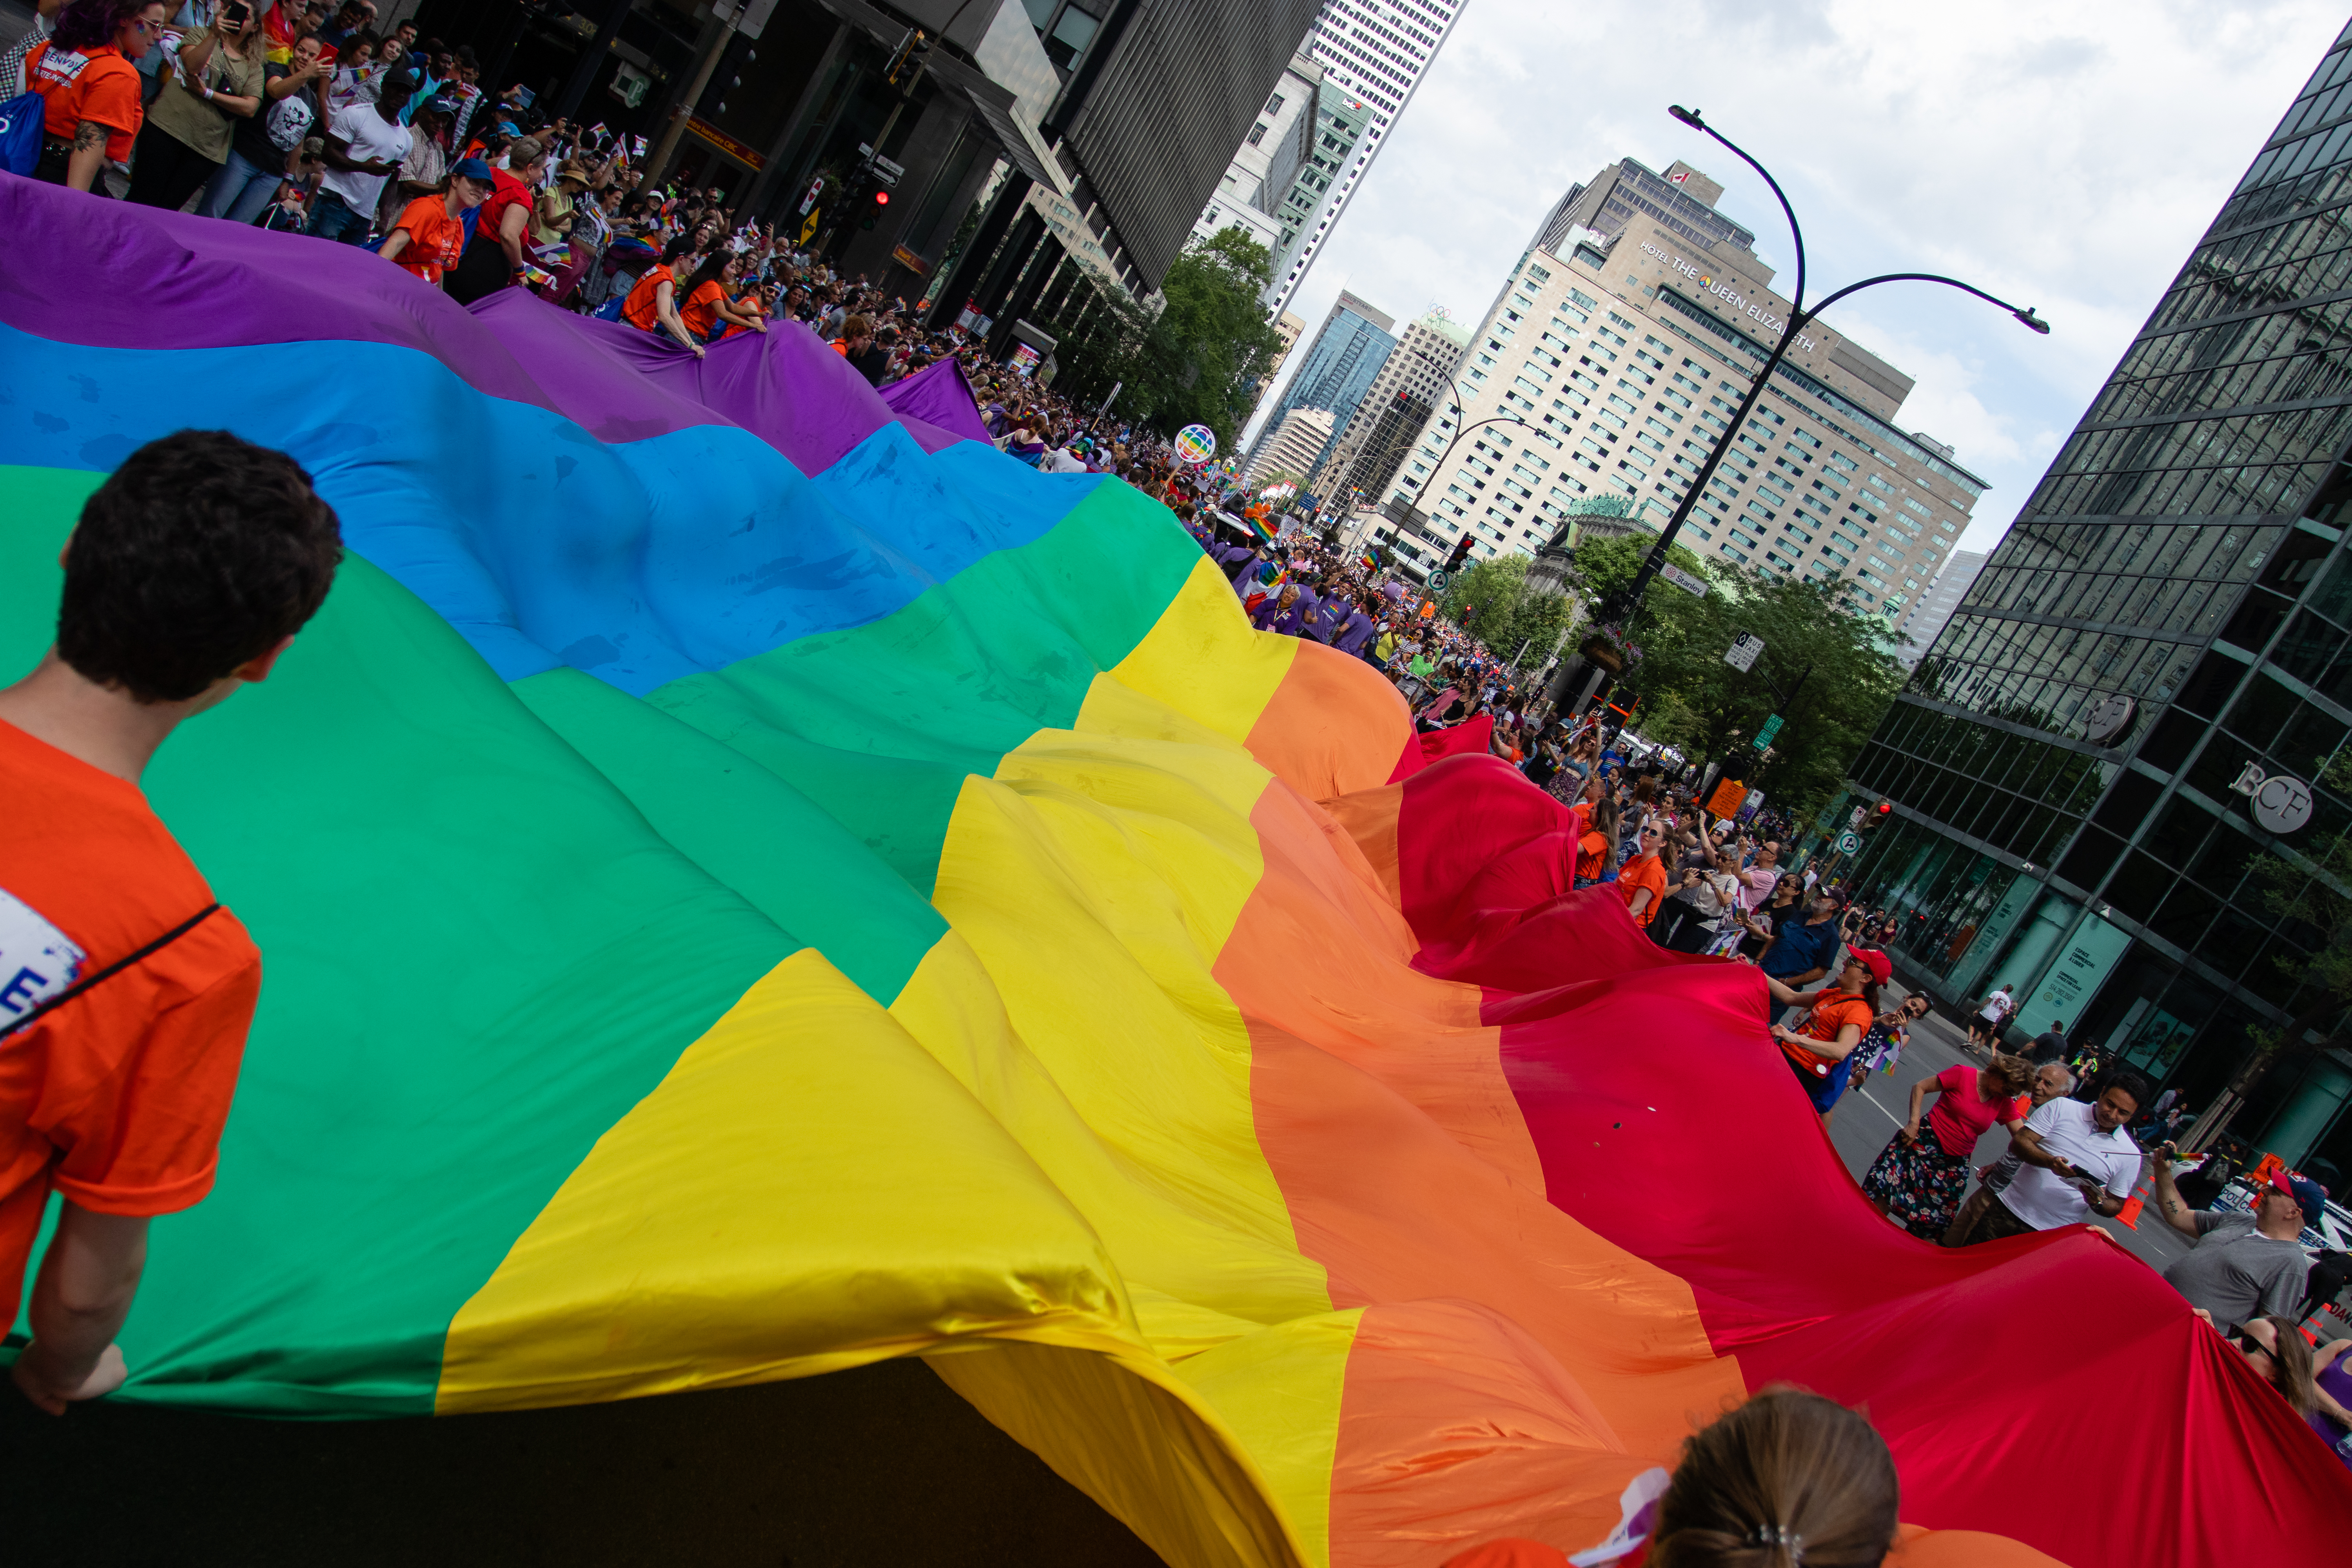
<point>1199,361</point>
<point>1491,600</point>
<point>1695,701</point>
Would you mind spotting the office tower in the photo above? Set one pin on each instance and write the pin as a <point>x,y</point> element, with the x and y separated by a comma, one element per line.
<point>1267,165</point>
<point>1412,382</point>
<point>1116,121</point>
<point>1611,359</point>
<point>1925,619</point>
<point>1288,328</point>
<point>1374,54</point>
<point>1347,352</point>
<point>2137,696</point>
<point>1293,448</point>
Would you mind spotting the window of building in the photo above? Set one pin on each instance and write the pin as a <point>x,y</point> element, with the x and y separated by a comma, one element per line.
<point>1257,134</point>
<point>1274,106</point>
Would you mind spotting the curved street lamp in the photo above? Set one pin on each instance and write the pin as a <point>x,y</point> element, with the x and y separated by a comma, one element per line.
<point>1626,600</point>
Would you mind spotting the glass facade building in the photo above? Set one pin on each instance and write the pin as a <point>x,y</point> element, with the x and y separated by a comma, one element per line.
<point>2168,620</point>
<point>1349,350</point>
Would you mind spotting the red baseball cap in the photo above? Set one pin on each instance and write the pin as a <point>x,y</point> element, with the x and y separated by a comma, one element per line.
<point>1881,967</point>
<point>2308,1195</point>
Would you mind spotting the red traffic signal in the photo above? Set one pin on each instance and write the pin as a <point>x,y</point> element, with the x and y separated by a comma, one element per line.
<point>881,198</point>
<point>1885,808</point>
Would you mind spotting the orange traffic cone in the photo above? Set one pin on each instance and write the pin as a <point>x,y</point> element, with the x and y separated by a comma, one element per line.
<point>2128,1216</point>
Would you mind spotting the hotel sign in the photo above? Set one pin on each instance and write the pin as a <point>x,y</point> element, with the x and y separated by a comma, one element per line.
<point>1726,293</point>
<point>724,142</point>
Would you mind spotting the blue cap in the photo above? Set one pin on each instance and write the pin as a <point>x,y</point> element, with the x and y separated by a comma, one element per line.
<point>476,169</point>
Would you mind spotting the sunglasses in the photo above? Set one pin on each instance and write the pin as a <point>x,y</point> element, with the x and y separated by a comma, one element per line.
<point>2248,1344</point>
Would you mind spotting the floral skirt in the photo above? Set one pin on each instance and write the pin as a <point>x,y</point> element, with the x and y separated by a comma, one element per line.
<point>1920,1184</point>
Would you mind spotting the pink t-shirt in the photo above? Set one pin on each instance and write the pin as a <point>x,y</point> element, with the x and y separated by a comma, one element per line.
<point>1961,1115</point>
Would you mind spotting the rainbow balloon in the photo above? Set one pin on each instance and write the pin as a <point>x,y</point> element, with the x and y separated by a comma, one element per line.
<point>754,881</point>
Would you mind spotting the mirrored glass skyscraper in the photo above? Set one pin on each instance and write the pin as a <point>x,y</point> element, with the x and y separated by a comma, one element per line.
<point>2137,696</point>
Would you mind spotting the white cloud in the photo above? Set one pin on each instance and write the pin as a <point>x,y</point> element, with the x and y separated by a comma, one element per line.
<point>2063,157</point>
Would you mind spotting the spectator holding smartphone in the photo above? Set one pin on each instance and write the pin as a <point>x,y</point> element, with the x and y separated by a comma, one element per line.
<point>2242,1266</point>
<point>217,79</point>
<point>365,146</point>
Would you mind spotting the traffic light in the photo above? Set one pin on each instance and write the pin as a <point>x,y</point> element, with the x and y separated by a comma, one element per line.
<point>874,209</point>
<point>1876,814</point>
<point>1461,553</point>
<point>907,61</point>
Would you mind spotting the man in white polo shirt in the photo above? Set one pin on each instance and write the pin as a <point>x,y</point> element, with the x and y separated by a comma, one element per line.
<point>2078,1161</point>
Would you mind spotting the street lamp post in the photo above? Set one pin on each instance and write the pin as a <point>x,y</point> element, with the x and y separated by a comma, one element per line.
<point>1621,604</point>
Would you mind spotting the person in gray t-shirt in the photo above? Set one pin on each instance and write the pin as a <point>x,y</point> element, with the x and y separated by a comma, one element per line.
<point>2243,1266</point>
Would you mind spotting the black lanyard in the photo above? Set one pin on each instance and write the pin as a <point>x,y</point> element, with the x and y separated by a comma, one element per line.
<point>111,969</point>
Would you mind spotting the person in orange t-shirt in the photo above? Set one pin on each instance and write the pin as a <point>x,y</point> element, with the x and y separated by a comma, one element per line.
<point>93,101</point>
<point>653,303</point>
<point>708,312</point>
<point>430,232</point>
<point>1593,847</point>
<point>1821,1052</point>
<point>125,990</point>
<point>1641,881</point>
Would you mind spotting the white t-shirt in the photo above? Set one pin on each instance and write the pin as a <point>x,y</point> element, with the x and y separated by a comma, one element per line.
<point>2043,1198</point>
<point>371,137</point>
<point>1996,1007</point>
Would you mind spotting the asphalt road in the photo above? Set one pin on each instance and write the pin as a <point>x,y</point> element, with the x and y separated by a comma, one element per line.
<point>1864,1121</point>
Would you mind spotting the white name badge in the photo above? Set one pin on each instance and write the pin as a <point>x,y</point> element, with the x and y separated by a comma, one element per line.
<point>37,959</point>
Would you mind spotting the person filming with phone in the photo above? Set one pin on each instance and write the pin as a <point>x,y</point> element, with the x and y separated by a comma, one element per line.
<point>2077,1159</point>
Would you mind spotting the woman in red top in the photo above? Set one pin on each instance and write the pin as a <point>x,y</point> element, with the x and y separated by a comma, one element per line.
<point>92,100</point>
<point>1919,1181</point>
<point>494,258</point>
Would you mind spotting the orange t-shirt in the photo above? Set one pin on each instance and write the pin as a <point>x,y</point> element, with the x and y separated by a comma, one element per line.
<point>1589,850</point>
<point>640,310</point>
<point>434,239</point>
<point>700,311</point>
<point>97,85</point>
<point>1832,1013</point>
<point>1642,872</point>
<point>117,1098</point>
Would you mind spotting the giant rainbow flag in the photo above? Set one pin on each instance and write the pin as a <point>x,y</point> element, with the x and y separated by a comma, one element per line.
<point>754,881</point>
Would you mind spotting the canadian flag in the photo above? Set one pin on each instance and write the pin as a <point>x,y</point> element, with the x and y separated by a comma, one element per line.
<point>1678,179</point>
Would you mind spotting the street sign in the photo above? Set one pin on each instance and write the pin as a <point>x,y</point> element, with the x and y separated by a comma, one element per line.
<point>1849,842</point>
<point>1728,797</point>
<point>1742,657</point>
<point>1771,728</point>
<point>1437,581</point>
<point>809,196</point>
<point>1684,580</point>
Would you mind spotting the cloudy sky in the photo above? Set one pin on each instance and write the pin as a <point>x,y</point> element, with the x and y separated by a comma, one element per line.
<point>2065,157</point>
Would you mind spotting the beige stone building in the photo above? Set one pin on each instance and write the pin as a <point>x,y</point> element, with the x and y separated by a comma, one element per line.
<point>1415,378</point>
<point>1614,355</point>
<point>1296,442</point>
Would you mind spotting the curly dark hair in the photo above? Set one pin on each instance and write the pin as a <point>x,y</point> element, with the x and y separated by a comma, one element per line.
<point>200,553</point>
<point>87,24</point>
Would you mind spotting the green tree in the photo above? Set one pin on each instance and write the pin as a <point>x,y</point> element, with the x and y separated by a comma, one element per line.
<point>1197,362</point>
<point>1503,612</point>
<point>1698,702</point>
